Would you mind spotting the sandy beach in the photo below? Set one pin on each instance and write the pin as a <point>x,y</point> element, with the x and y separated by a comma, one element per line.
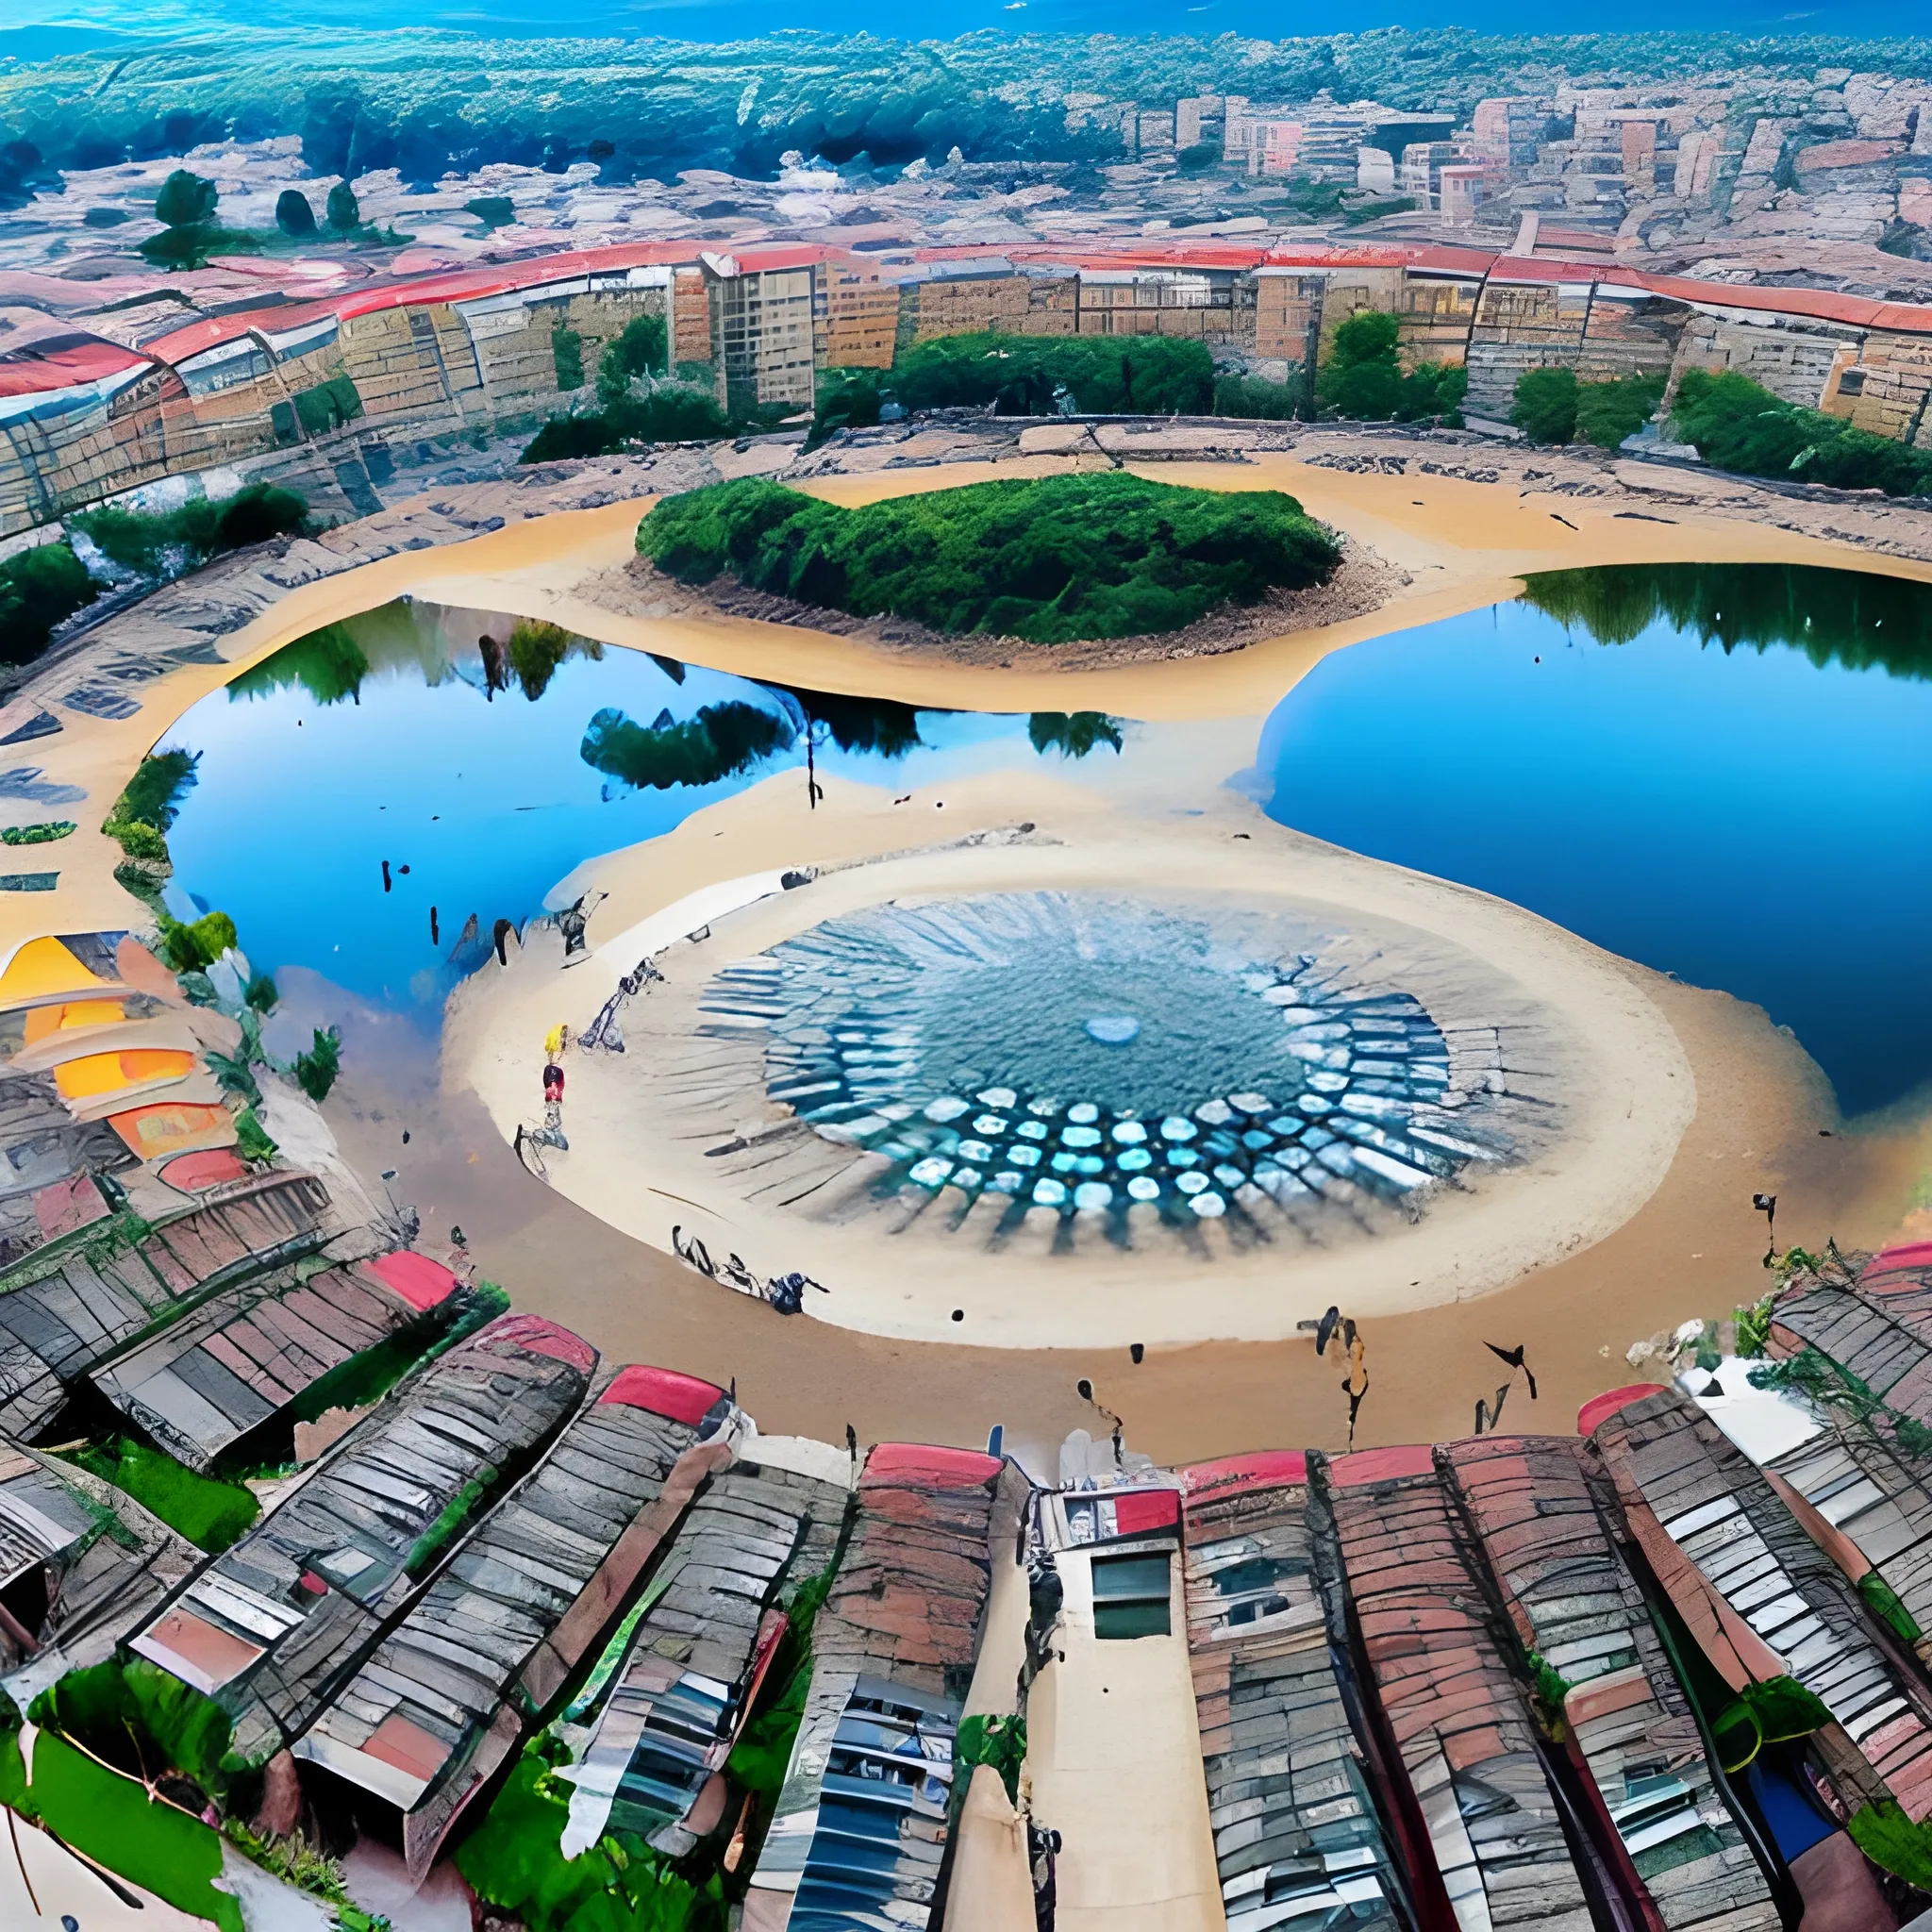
<point>1685,1242</point>
<point>1607,1090</point>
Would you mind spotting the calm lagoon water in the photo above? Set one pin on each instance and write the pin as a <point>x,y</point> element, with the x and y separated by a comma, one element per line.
<point>1749,820</point>
<point>1697,793</point>
<point>485,800</point>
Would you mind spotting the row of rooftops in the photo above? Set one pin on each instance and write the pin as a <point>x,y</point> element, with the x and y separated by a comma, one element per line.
<point>1382,1644</point>
<point>66,354</point>
<point>1418,1768</point>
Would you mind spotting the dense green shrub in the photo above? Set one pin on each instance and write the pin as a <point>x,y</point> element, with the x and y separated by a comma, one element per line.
<point>199,529</point>
<point>39,589</point>
<point>1551,405</point>
<point>493,210</point>
<point>1738,425</point>
<point>676,414</point>
<point>343,212</point>
<point>1362,377</point>
<point>316,1068</point>
<point>1606,412</point>
<point>1544,408</point>
<point>642,349</point>
<point>193,947</point>
<point>186,199</point>
<point>144,812</point>
<point>44,834</point>
<point>1105,375</point>
<point>327,406</point>
<point>1049,560</point>
<point>717,742</point>
<point>191,245</point>
<point>1253,397</point>
<point>847,399</point>
<point>211,1513</point>
<point>515,1862</point>
<point>566,354</point>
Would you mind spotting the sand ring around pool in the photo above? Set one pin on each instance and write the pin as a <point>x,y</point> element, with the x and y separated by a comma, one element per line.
<point>1322,1080</point>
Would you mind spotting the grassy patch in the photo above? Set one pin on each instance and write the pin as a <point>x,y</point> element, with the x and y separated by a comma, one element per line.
<point>211,1513</point>
<point>514,1860</point>
<point>1049,560</point>
<point>111,1820</point>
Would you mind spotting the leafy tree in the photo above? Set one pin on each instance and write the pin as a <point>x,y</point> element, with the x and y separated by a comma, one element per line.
<point>198,530</point>
<point>293,216</point>
<point>493,210</point>
<point>1545,405</point>
<point>666,415</point>
<point>642,349</point>
<point>1362,375</point>
<point>1738,425</point>
<point>1606,412</point>
<point>1203,153</point>
<point>567,352</point>
<point>535,649</point>
<point>185,200</point>
<point>1252,397</point>
<point>317,1068</point>
<point>1851,617</point>
<point>328,664</point>
<point>39,589</point>
<point>881,726</point>
<point>847,399</point>
<point>1072,734</point>
<point>1368,337</point>
<point>343,212</point>
<point>1051,559</point>
<point>1105,375</point>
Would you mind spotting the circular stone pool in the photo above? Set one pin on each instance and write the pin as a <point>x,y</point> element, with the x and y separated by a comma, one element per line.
<point>1089,1054</point>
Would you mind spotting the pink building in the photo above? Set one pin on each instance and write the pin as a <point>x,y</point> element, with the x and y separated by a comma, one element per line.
<point>1463,187</point>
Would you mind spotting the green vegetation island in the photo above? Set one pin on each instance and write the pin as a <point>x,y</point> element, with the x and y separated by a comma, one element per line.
<point>1049,560</point>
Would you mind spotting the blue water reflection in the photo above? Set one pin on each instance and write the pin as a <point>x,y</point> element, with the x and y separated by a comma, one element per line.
<point>479,805</point>
<point>1752,822</point>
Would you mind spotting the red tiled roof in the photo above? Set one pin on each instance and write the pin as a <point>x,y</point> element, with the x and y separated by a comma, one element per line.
<point>533,1335</point>
<point>65,362</point>
<point>1138,1511</point>
<point>1890,1260</point>
<point>1380,1465</point>
<point>420,1282</point>
<point>1600,1409</point>
<point>922,1463</point>
<point>1265,1469</point>
<point>663,1391</point>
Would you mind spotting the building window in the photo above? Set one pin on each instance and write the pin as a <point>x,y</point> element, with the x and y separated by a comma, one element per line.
<point>1130,1596</point>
